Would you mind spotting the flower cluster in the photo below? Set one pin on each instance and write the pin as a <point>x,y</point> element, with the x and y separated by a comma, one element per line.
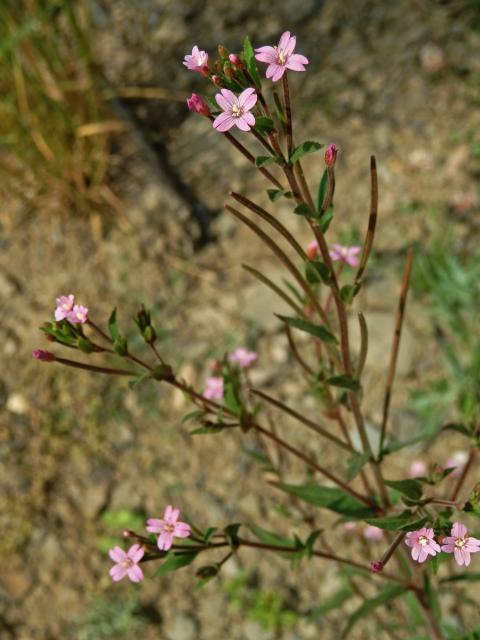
<point>67,310</point>
<point>236,110</point>
<point>167,528</point>
<point>240,357</point>
<point>459,543</point>
<point>338,252</point>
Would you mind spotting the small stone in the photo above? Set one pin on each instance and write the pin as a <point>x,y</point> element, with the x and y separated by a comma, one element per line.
<point>17,403</point>
<point>16,583</point>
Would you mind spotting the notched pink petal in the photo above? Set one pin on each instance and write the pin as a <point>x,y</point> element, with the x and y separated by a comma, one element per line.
<point>284,40</point>
<point>117,572</point>
<point>229,96</point>
<point>182,530</point>
<point>247,98</point>
<point>117,554</point>
<point>135,574</point>
<point>242,123</point>
<point>222,123</point>
<point>136,553</point>
<point>155,525</point>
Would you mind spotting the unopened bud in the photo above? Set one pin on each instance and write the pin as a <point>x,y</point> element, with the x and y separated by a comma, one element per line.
<point>217,80</point>
<point>222,51</point>
<point>331,155</point>
<point>235,59</point>
<point>198,105</point>
<point>128,533</point>
<point>376,566</point>
<point>149,335</point>
<point>44,356</point>
<point>229,71</point>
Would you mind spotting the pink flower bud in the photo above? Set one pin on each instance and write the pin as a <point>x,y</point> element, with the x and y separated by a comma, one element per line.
<point>331,155</point>
<point>217,80</point>
<point>198,105</point>
<point>312,249</point>
<point>235,59</point>
<point>376,566</point>
<point>45,356</point>
<point>129,534</point>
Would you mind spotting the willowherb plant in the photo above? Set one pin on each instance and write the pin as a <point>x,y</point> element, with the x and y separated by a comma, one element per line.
<point>417,518</point>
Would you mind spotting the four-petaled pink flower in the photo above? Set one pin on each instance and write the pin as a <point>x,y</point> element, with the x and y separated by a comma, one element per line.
<point>197,60</point>
<point>373,533</point>
<point>126,563</point>
<point>78,315</point>
<point>422,544</point>
<point>236,110</point>
<point>281,57</point>
<point>460,544</point>
<point>345,254</point>
<point>198,105</point>
<point>214,390</point>
<point>168,528</point>
<point>243,357</point>
<point>64,307</point>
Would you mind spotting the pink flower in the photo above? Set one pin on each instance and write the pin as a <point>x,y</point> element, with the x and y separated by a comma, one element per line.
<point>242,357</point>
<point>214,390</point>
<point>376,566</point>
<point>168,528</point>
<point>312,249</point>
<point>236,110</point>
<point>331,155</point>
<point>126,563</point>
<point>64,307</point>
<point>373,533</point>
<point>197,61</point>
<point>78,315</point>
<point>235,60</point>
<point>345,254</point>
<point>417,469</point>
<point>198,105</point>
<point>281,57</point>
<point>422,544</point>
<point>350,526</point>
<point>45,356</point>
<point>460,544</point>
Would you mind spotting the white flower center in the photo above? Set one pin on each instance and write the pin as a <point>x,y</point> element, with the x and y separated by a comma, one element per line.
<point>422,540</point>
<point>127,563</point>
<point>237,111</point>
<point>282,58</point>
<point>460,543</point>
<point>168,528</point>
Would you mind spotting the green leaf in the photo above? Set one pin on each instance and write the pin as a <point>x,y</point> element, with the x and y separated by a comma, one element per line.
<point>410,488</point>
<point>331,498</point>
<point>355,464</point>
<point>120,345</point>
<point>322,190</point>
<point>113,325</point>
<point>263,124</point>
<point>458,427</point>
<point>192,415</point>
<point>162,372</point>
<point>334,602</point>
<point>249,57</point>
<point>324,221</point>
<point>274,538</point>
<point>306,147</point>
<point>136,381</point>
<point>275,194</point>
<point>316,271</point>
<point>304,210</point>
<point>231,531</point>
<point>261,161</point>
<point>467,577</point>
<point>344,381</point>
<point>385,595</point>
<point>399,522</point>
<point>213,429</point>
<point>349,291</point>
<point>316,330</point>
<point>310,541</point>
<point>176,561</point>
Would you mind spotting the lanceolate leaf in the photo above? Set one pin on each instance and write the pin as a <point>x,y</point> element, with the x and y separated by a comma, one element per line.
<point>329,497</point>
<point>322,190</point>
<point>306,147</point>
<point>355,464</point>
<point>410,488</point>
<point>261,161</point>
<point>273,538</point>
<point>334,602</point>
<point>263,124</point>
<point>249,57</point>
<point>304,210</point>
<point>176,561</point>
<point>275,194</point>
<point>344,381</point>
<point>316,330</point>
<point>405,521</point>
<point>385,595</point>
<point>113,326</point>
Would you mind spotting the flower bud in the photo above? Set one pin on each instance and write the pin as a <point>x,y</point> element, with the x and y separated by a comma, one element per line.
<point>217,80</point>
<point>331,155</point>
<point>376,566</point>
<point>44,356</point>
<point>198,105</point>
<point>235,59</point>
<point>228,71</point>
<point>85,345</point>
<point>222,51</point>
<point>128,533</point>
